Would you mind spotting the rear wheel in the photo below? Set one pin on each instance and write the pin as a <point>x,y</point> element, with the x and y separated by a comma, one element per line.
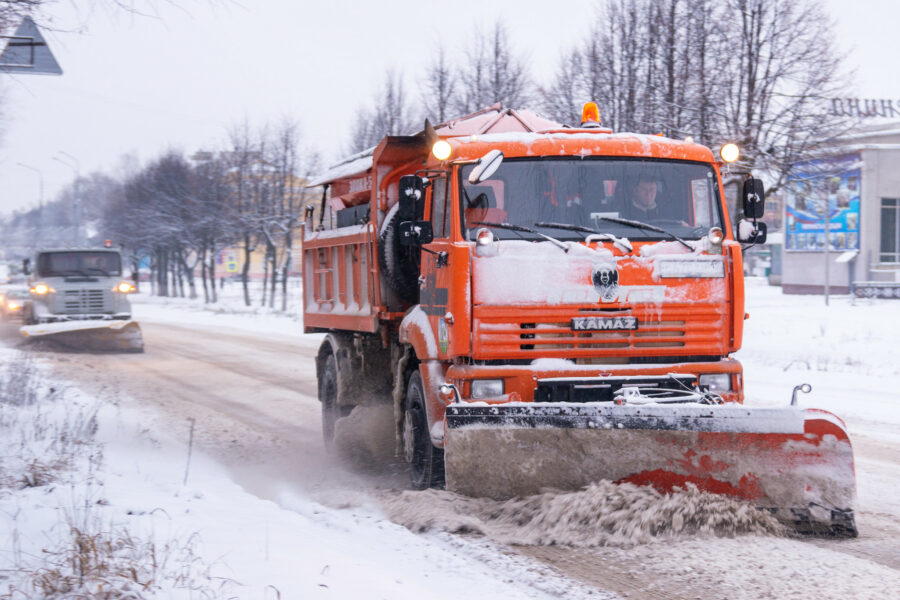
<point>328,397</point>
<point>426,462</point>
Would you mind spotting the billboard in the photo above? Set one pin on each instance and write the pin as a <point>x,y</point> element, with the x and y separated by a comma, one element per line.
<point>829,186</point>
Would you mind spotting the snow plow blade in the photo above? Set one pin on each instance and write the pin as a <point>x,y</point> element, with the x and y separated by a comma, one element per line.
<point>88,335</point>
<point>797,463</point>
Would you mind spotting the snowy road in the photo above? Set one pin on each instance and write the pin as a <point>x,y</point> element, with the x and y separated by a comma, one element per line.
<point>251,392</point>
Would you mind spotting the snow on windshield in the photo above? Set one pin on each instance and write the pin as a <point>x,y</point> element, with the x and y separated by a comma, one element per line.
<point>680,197</point>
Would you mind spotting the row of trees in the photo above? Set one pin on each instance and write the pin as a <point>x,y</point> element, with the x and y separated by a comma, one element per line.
<point>756,72</point>
<point>177,213</point>
<point>181,212</point>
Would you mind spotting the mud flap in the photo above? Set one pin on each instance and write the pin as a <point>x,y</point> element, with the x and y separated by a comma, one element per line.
<point>797,463</point>
<point>88,335</point>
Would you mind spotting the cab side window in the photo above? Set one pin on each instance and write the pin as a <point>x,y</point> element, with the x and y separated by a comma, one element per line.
<point>439,220</point>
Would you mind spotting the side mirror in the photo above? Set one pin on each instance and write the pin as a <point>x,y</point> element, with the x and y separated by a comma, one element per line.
<point>412,197</point>
<point>750,232</point>
<point>415,233</point>
<point>486,166</point>
<point>754,198</point>
<point>26,266</point>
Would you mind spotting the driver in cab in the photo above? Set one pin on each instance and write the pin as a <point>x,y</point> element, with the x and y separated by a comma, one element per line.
<point>640,202</point>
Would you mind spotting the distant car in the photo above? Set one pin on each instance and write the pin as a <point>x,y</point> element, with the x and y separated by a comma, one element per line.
<point>12,303</point>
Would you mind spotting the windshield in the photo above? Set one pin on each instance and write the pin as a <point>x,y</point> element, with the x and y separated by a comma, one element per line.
<point>678,197</point>
<point>62,264</point>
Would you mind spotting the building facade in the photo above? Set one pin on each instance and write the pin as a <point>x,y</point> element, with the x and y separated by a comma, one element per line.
<point>842,215</point>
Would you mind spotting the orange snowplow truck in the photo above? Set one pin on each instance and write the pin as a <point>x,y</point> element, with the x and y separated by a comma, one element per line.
<point>547,306</point>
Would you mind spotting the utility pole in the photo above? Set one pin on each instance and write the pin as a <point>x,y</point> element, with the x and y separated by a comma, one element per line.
<point>78,215</point>
<point>826,214</point>
<point>40,220</point>
<point>40,182</point>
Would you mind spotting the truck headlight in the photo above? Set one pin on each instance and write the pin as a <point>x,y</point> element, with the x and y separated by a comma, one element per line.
<point>716,382</point>
<point>124,288</point>
<point>487,388</point>
<point>40,289</point>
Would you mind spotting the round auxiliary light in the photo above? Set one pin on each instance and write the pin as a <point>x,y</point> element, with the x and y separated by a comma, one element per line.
<point>124,287</point>
<point>441,150</point>
<point>716,235</point>
<point>730,152</point>
<point>484,237</point>
<point>40,289</point>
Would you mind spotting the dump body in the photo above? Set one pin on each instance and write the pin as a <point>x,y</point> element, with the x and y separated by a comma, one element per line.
<point>522,312</point>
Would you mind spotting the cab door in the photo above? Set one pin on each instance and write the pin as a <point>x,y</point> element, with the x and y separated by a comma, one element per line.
<point>445,267</point>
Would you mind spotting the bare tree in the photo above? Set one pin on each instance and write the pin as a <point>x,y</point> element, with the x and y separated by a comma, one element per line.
<point>752,71</point>
<point>437,89</point>
<point>241,157</point>
<point>492,73</point>
<point>783,69</point>
<point>391,114</point>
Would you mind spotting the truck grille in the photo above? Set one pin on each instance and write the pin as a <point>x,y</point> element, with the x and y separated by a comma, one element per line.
<point>678,330</point>
<point>83,301</point>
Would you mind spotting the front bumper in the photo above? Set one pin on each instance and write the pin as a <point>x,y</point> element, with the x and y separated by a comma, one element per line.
<point>563,381</point>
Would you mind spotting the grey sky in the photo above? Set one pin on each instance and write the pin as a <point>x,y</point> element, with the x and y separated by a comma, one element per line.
<point>140,85</point>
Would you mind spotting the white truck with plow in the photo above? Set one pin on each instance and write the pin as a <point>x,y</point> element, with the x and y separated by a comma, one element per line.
<point>79,299</point>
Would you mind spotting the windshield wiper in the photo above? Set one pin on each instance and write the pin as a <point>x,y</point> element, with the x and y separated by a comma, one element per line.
<point>645,227</point>
<point>517,228</point>
<point>105,273</point>
<point>621,243</point>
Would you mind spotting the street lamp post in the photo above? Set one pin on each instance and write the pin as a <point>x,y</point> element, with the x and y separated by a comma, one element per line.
<point>40,181</point>
<point>38,234</point>
<point>79,239</point>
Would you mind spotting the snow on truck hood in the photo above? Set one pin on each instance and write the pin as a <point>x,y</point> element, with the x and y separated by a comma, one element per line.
<point>527,273</point>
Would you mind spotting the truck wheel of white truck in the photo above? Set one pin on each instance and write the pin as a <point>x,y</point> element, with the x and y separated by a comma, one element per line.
<point>426,462</point>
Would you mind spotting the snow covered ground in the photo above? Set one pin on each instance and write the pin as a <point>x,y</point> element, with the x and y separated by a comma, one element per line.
<point>119,480</point>
<point>124,485</point>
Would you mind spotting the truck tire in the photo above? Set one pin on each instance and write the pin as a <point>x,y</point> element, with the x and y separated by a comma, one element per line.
<point>328,397</point>
<point>400,264</point>
<point>426,462</point>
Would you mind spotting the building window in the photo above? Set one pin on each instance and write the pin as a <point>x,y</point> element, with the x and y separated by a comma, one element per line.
<point>890,230</point>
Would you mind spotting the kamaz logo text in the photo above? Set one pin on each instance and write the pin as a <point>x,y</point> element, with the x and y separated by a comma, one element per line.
<point>604,323</point>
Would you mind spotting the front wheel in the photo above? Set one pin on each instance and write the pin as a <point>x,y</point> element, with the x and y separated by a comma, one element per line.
<point>426,462</point>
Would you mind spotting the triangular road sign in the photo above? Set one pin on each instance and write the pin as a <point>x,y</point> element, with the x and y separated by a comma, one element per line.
<point>27,52</point>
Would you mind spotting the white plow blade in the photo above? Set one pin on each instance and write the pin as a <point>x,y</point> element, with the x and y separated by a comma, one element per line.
<point>89,334</point>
